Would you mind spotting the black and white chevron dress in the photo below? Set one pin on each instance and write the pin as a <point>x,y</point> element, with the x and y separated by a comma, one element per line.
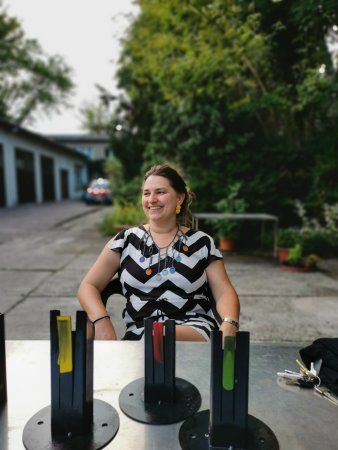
<point>166,286</point>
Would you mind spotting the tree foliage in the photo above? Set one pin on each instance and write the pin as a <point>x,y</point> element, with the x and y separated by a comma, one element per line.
<point>30,81</point>
<point>235,90</point>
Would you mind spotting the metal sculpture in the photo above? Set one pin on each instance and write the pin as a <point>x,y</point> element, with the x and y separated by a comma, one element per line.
<point>3,379</point>
<point>227,425</point>
<point>160,397</point>
<point>74,419</point>
<point>3,387</point>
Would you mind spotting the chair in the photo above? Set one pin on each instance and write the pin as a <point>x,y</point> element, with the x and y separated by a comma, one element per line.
<point>113,287</point>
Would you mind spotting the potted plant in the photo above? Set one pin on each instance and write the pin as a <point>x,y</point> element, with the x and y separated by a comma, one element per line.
<point>227,229</point>
<point>297,262</point>
<point>286,239</point>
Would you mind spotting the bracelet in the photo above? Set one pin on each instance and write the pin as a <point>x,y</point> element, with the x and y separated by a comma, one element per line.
<point>100,318</point>
<point>232,322</point>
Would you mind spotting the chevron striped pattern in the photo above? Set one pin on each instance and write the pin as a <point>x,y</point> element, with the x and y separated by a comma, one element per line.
<point>176,288</point>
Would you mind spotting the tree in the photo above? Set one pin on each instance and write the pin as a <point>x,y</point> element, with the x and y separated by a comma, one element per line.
<point>30,81</point>
<point>116,123</point>
<point>235,90</point>
<point>197,68</point>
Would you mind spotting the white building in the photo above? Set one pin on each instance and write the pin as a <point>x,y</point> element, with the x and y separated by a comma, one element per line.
<point>93,146</point>
<point>35,169</point>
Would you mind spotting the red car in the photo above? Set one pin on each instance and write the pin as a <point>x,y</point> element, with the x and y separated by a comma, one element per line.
<point>98,191</point>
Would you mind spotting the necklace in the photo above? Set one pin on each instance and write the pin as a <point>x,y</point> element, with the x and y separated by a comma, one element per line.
<point>170,243</point>
<point>166,256</point>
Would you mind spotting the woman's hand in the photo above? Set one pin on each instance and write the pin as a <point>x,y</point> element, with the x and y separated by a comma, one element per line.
<point>227,302</point>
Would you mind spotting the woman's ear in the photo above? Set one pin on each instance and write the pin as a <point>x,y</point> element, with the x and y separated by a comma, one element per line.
<point>180,198</point>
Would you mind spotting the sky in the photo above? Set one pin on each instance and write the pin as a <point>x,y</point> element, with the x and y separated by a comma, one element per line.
<point>86,34</point>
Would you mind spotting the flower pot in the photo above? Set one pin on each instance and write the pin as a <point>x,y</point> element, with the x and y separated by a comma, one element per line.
<point>296,269</point>
<point>283,253</point>
<point>225,244</point>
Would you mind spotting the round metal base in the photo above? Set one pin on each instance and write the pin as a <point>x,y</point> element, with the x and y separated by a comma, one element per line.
<point>37,432</point>
<point>187,402</point>
<point>194,434</point>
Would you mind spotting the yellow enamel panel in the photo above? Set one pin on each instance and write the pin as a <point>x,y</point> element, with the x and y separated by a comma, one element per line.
<point>64,328</point>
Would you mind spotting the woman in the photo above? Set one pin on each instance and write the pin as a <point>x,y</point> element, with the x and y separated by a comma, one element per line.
<point>164,267</point>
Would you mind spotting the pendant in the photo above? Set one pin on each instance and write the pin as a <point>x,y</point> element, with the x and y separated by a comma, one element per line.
<point>185,248</point>
<point>149,271</point>
<point>158,276</point>
<point>165,272</point>
<point>142,259</point>
<point>172,269</point>
<point>178,258</point>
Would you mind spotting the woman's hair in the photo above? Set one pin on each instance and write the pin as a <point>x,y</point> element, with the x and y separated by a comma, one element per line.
<point>179,185</point>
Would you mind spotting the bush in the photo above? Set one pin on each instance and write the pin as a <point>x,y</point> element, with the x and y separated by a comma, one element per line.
<point>288,237</point>
<point>228,228</point>
<point>319,235</point>
<point>125,216</point>
<point>322,243</point>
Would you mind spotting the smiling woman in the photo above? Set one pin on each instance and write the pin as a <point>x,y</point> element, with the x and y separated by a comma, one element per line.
<point>165,268</point>
<point>159,201</point>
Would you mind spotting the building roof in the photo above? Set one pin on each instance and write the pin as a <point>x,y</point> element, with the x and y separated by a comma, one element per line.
<point>12,128</point>
<point>79,138</point>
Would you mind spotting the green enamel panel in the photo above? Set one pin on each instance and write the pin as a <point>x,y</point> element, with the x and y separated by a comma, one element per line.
<point>228,377</point>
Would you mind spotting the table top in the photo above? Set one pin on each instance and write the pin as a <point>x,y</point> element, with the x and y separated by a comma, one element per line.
<point>300,418</point>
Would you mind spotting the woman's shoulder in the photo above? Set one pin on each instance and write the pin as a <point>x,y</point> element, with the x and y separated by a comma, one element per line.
<point>137,230</point>
<point>127,234</point>
<point>193,232</point>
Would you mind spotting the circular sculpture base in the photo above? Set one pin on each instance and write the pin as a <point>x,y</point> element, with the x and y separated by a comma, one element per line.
<point>194,434</point>
<point>37,432</point>
<point>187,402</point>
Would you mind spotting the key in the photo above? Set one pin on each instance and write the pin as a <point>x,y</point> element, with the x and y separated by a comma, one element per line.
<point>291,371</point>
<point>290,376</point>
<point>305,370</point>
<point>325,392</point>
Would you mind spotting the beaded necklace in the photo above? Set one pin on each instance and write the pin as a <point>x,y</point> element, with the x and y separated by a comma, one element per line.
<point>164,266</point>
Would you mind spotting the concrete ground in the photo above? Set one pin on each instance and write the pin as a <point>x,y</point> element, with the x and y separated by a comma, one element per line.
<point>46,250</point>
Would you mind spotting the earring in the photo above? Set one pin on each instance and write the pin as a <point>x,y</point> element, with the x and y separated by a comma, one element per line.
<point>178,208</point>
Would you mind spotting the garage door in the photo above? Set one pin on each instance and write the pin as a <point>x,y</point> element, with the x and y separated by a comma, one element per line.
<point>64,184</point>
<point>25,176</point>
<point>2,177</point>
<point>47,174</point>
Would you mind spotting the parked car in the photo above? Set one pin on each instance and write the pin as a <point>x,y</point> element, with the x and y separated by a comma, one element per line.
<point>98,191</point>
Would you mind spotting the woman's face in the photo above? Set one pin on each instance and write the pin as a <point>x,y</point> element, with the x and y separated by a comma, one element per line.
<point>159,198</point>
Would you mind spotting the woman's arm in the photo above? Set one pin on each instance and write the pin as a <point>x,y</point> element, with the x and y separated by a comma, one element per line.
<point>227,302</point>
<point>89,292</point>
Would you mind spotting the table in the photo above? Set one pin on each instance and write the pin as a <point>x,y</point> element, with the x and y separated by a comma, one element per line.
<point>262,217</point>
<point>300,418</point>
